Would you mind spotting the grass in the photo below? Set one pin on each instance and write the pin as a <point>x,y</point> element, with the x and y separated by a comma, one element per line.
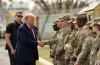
<point>44,53</point>
<point>2,38</point>
<point>37,63</point>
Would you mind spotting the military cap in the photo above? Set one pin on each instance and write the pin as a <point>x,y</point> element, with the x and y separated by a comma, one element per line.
<point>59,19</point>
<point>88,24</point>
<point>71,19</point>
<point>95,21</point>
<point>75,20</point>
<point>54,22</point>
<point>81,15</point>
<point>65,17</point>
<point>98,23</point>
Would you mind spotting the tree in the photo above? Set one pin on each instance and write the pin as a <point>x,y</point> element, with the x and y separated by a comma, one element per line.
<point>0,3</point>
<point>4,5</point>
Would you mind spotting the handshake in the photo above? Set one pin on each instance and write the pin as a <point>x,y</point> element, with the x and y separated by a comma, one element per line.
<point>41,43</point>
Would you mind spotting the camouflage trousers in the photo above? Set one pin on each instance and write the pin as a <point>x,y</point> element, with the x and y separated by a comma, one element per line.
<point>85,64</point>
<point>60,62</point>
<point>71,63</point>
<point>54,61</point>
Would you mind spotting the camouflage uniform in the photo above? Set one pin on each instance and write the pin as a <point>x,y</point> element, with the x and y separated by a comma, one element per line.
<point>60,52</point>
<point>70,50</point>
<point>79,38</point>
<point>55,46</point>
<point>94,55</point>
<point>95,51</point>
<point>84,56</point>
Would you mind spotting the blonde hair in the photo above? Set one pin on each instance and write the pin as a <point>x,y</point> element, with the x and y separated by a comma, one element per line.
<point>29,15</point>
<point>19,11</point>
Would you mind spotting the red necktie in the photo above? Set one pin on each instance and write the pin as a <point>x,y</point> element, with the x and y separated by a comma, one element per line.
<point>33,34</point>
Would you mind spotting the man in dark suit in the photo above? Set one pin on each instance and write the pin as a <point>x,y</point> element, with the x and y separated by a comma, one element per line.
<point>26,52</point>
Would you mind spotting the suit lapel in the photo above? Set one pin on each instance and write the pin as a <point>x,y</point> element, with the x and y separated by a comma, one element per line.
<point>28,30</point>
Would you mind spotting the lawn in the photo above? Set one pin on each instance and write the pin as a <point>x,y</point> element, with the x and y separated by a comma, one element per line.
<point>44,53</point>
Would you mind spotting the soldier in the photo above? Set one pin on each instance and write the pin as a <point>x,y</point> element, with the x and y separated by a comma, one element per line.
<point>60,52</point>
<point>53,41</point>
<point>79,36</point>
<point>69,49</point>
<point>95,51</point>
<point>84,56</point>
<point>52,52</point>
<point>55,29</point>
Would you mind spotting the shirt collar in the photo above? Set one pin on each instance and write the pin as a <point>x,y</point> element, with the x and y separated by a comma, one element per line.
<point>28,25</point>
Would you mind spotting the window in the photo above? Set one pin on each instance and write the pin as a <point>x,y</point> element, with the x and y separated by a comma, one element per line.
<point>90,17</point>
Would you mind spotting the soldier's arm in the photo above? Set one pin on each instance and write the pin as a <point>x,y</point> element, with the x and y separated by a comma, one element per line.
<point>85,51</point>
<point>52,41</point>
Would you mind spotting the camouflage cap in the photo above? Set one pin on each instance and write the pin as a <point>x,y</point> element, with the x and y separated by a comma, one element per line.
<point>95,21</point>
<point>71,19</point>
<point>75,20</point>
<point>88,24</point>
<point>65,17</point>
<point>98,23</point>
<point>81,15</point>
<point>59,19</point>
<point>54,22</point>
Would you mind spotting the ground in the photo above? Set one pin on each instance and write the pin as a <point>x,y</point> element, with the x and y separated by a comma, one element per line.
<point>4,58</point>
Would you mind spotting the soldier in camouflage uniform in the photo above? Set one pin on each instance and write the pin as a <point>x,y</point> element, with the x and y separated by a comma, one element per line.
<point>55,29</point>
<point>54,40</point>
<point>56,35</point>
<point>78,40</point>
<point>60,52</point>
<point>95,51</point>
<point>84,56</point>
<point>69,49</point>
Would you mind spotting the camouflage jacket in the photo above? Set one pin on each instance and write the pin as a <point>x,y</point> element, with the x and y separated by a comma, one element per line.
<point>79,40</point>
<point>95,51</point>
<point>60,47</point>
<point>70,49</point>
<point>55,45</point>
<point>84,56</point>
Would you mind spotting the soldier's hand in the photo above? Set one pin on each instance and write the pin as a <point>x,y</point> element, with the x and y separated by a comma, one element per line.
<point>52,54</point>
<point>66,61</point>
<point>77,63</point>
<point>56,58</point>
<point>65,48</point>
<point>73,59</point>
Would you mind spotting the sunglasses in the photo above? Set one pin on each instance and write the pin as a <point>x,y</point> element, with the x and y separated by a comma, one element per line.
<point>19,16</point>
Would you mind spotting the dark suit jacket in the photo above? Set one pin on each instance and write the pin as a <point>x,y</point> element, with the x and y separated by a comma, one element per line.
<point>25,48</point>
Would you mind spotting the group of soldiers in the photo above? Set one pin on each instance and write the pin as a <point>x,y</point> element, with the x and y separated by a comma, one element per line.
<point>76,41</point>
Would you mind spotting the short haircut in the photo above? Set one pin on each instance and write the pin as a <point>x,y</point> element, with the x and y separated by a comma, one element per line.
<point>29,15</point>
<point>18,12</point>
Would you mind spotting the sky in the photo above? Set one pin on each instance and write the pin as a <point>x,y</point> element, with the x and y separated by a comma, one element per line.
<point>31,3</point>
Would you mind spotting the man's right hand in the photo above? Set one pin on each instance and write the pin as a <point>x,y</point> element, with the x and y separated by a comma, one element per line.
<point>41,44</point>
<point>13,52</point>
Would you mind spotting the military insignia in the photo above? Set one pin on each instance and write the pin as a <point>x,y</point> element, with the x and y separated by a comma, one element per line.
<point>64,35</point>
